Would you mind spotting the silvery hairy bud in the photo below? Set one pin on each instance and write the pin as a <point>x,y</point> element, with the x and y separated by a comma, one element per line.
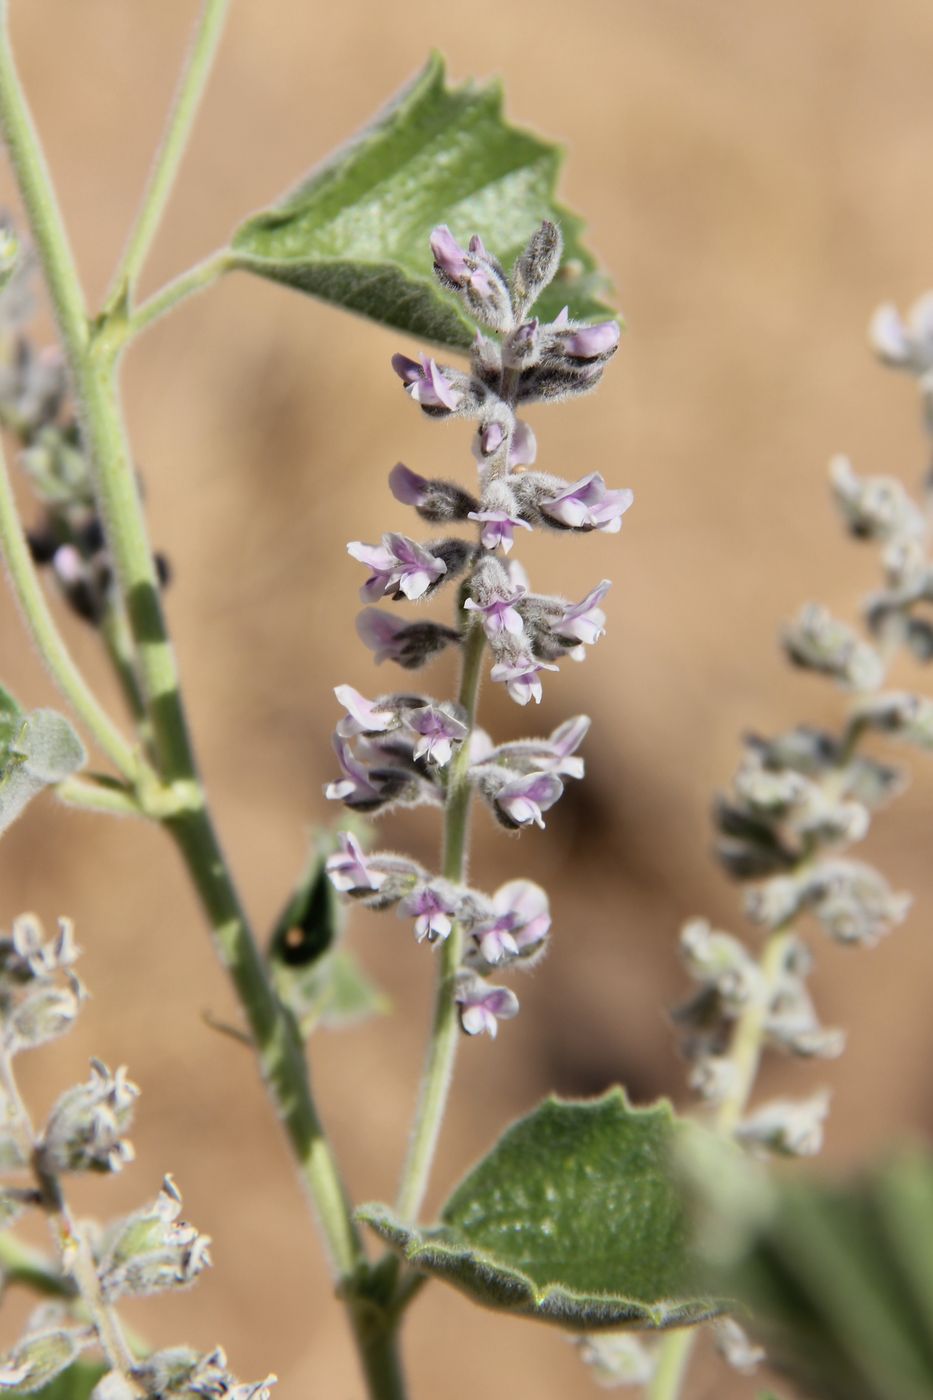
<point>719,960</point>
<point>617,1358</point>
<point>817,642</point>
<point>536,267</point>
<point>735,1346</point>
<point>182,1374</point>
<point>151,1250</point>
<point>873,507</point>
<point>910,717</point>
<point>476,276</point>
<point>43,1015</point>
<point>378,881</point>
<point>46,1349</point>
<point>788,1127</point>
<point>434,500</point>
<point>84,1131</point>
<point>906,344</point>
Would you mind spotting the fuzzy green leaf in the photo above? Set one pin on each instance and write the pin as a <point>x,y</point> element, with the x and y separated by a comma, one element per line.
<point>41,749</point>
<point>355,232</point>
<point>575,1217</point>
<point>75,1383</point>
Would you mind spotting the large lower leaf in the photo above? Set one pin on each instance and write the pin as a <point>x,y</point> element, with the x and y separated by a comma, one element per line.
<point>355,232</point>
<point>575,1217</point>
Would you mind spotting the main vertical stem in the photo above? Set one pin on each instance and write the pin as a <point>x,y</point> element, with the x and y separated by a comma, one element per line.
<point>445,1029</point>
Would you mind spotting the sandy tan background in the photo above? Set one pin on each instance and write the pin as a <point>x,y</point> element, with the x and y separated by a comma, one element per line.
<point>756,178</point>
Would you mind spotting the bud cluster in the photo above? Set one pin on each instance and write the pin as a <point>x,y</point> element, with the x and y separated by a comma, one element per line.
<point>34,409</point>
<point>800,800</point>
<point>150,1251</point>
<point>408,748</point>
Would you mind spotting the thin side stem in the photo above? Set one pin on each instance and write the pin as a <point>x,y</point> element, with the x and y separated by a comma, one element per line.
<point>196,279</point>
<point>188,94</point>
<point>96,797</point>
<point>24,580</point>
<point>673,1360</point>
<point>445,1030</point>
<point>278,1045</point>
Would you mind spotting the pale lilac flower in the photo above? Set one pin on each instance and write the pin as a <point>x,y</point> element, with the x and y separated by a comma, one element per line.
<point>498,614</point>
<point>483,1006</point>
<point>432,906</point>
<point>439,731</point>
<point>355,788</point>
<point>591,342</point>
<point>522,800</point>
<point>408,643</point>
<point>426,383</point>
<point>381,561</point>
<point>555,754</point>
<point>562,319</point>
<point>520,922</point>
<point>348,868</point>
<point>363,716</point>
<point>588,505</point>
<point>498,527</point>
<point>523,449</point>
<point>490,438</point>
<point>398,564</point>
<point>480,745</point>
<point>521,677</point>
<point>448,255</point>
<point>585,621</point>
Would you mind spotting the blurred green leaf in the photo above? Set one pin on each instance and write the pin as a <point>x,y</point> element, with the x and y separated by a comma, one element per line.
<point>839,1283</point>
<point>320,982</point>
<point>355,232</point>
<point>75,1383</point>
<point>11,716</point>
<point>575,1217</point>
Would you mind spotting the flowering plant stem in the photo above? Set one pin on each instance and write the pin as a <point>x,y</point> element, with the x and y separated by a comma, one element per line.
<point>445,1031</point>
<point>92,351</point>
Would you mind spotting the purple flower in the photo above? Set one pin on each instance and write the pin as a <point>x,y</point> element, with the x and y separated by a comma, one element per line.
<point>591,342</point>
<point>483,1006</point>
<point>523,449</point>
<point>363,716</point>
<point>564,741</point>
<point>348,869</point>
<point>399,565</point>
<point>355,788</point>
<point>520,922</point>
<point>448,255</point>
<point>426,383</point>
<point>432,906</point>
<point>552,755</point>
<point>439,731</point>
<point>521,677</point>
<point>382,563</point>
<point>498,614</point>
<point>407,486</point>
<point>522,800</point>
<point>491,438</point>
<point>588,505</point>
<point>498,527</point>
<point>585,621</point>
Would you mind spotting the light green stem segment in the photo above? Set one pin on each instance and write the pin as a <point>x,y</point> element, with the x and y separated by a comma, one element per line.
<point>278,1045</point>
<point>445,1030</point>
<point>207,35</point>
<point>28,590</point>
<point>196,279</point>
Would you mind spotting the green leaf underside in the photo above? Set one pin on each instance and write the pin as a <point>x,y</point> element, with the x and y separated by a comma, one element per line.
<point>355,233</point>
<point>36,750</point>
<point>575,1218</point>
<point>74,1383</point>
<point>841,1284</point>
<point>11,718</point>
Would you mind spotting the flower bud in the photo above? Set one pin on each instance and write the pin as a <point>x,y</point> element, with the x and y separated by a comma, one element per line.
<point>410,644</point>
<point>475,275</point>
<point>152,1250</point>
<point>433,500</point>
<point>84,1130</point>
<point>46,1349</point>
<point>791,1128</point>
<point>816,642</point>
<point>536,267</point>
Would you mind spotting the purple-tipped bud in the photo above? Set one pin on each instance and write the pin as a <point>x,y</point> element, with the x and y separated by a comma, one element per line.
<point>523,800</point>
<point>522,678</point>
<point>355,788</point>
<point>592,342</point>
<point>410,644</point>
<point>438,729</point>
<point>491,438</point>
<point>587,504</point>
<point>433,500</point>
<point>348,869</point>
<point>449,257</point>
<point>483,1006</point>
<point>407,486</point>
<point>523,449</point>
<point>426,383</point>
